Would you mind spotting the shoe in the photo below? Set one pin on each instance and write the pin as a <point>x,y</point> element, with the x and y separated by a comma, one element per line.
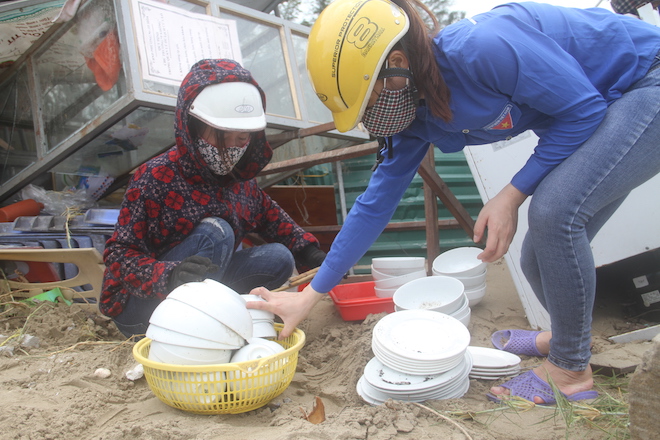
<point>528,385</point>
<point>516,341</point>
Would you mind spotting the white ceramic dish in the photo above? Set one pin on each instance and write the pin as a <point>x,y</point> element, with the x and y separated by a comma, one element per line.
<point>437,293</point>
<point>476,295</point>
<point>256,313</point>
<point>472,282</point>
<point>263,329</point>
<point>256,348</point>
<point>459,262</point>
<point>413,366</point>
<point>382,264</point>
<point>422,335</point>
<point>219,301</point>
<point>378,275</point>
<point>384,293</point>
<point>367,392</point>
<point>484,357</point>
<point>160,334</point>
<point>380,383</point>
<point>183,318</point>
<point>383,377</point>
<point>464,317</point>
<point>398,281</point>
<point>492,371</point>
<point>180,355</point>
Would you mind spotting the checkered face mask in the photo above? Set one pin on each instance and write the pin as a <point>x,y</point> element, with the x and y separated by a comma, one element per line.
<point>392,113</point>
<point>220,165</point>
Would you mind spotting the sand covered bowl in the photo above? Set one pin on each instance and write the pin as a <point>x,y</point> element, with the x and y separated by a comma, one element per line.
<point>222,388</point>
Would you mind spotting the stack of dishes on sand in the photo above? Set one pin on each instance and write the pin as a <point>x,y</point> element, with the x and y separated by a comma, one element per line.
<point>419,355</point>
<point>462,263</point>
<point>438,294</point>
<point>390,273</point>
<point>491,364</point>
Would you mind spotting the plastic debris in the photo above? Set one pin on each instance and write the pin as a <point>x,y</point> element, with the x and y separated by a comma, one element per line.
<point>135,373</point>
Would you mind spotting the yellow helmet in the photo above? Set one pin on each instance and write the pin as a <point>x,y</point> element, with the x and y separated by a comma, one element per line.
<point>347,47</point>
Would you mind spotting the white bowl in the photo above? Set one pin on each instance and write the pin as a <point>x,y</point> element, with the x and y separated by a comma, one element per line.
<point>180,355</point>
<point>472,282</point>
<point>160,334</point>
<point>384,264</point>
<point>378,275</point>
<point>183,318</point>
<point>394,282</point>
<point>254,381</point>
<point>461,261</point>
<point>384,293</point>
<point>263,329</point>
<point>437,293</point>
<point>219,301</point>
<point>475,296</point>
<point>464,317</point>
<point>256,348</point>
<point>256,313</point>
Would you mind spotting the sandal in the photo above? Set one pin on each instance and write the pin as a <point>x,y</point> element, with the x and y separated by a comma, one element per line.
<point>517,341</point>
<point>528,385</point>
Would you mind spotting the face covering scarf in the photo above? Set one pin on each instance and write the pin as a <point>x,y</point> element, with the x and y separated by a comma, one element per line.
<point>217,164</point>
<point>392,113</point>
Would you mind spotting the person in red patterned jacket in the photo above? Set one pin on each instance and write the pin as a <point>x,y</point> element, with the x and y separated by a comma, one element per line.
<point>186,211</point>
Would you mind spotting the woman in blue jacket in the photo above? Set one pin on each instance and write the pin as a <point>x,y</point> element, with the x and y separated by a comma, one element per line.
<point>585,81</point>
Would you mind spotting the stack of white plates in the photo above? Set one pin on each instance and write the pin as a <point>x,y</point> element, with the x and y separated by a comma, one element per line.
<point>492,364</point>
<point>379,383</point>
<point>390,273</point>
<point>419,355</point>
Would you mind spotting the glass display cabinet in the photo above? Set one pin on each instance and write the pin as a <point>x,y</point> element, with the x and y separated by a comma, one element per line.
<point>94,96</point>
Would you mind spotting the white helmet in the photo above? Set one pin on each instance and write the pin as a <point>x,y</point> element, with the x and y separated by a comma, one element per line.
<point>230,106</point>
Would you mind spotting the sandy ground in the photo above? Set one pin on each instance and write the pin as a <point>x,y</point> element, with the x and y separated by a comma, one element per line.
<point>50,391</point>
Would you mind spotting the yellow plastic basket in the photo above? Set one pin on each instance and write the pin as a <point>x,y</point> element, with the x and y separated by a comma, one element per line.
<point>231,388</point>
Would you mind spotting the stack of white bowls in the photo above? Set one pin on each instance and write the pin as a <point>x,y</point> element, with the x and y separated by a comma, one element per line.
<point>262,321</point>
<point>419,355</point>
<point>390,273</point>
<point>437,293</point>
<point>198,324</point>
<point>462,263</point>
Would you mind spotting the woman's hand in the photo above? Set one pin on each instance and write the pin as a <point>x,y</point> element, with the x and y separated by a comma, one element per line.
<point>291,307</point>
<point>500,216</point>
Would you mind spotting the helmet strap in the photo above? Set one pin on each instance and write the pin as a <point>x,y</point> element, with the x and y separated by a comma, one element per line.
<point>389,72</point>
<point>384,144</point>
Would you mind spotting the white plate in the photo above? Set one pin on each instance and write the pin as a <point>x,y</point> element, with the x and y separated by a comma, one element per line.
<point>483,357</point>
<point>422,335</point>
<point>486,376</point>
<point>405,366</point>
<point>360,388</point>
<point>487,371</point>
<point>383,377</point>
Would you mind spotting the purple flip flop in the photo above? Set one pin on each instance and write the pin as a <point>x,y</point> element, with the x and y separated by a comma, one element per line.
<point>516,341</point>
<point>528,385</point>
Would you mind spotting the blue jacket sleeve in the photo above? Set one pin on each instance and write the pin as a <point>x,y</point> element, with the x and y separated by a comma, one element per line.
<point>510,57</point>
<point>372,211</point>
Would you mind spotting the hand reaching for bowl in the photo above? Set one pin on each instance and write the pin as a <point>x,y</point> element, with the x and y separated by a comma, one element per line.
<point>291,307</point>
<point>500,216</point>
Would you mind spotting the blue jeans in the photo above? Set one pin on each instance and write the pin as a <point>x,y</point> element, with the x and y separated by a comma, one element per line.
<point>269,265</point>
<point>574,201</point>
